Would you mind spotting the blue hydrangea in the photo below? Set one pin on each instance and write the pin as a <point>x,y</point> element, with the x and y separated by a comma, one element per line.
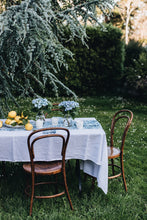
<point>69,108</point>
<point>40,102</point>
<point>69,105</point>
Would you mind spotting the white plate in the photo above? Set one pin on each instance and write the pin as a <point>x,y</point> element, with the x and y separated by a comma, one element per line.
<point>16,126</point>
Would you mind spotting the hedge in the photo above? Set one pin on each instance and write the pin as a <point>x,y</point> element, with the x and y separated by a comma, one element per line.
<point>97,67</point>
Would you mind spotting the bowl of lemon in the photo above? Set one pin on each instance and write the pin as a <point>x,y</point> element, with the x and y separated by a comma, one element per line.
<point>19,120</point>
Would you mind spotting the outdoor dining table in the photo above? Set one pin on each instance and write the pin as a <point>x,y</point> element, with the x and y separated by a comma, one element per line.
<point>87,144</point>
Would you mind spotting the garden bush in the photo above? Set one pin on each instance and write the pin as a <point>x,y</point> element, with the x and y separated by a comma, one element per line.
<point>104,66</point>
<point>135,71</point>
<point>97,67</point>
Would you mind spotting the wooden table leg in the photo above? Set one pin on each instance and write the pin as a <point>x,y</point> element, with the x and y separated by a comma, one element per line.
<point>79,175</point>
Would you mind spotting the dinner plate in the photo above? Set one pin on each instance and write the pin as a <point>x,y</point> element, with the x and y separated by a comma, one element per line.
<point>16,126</point>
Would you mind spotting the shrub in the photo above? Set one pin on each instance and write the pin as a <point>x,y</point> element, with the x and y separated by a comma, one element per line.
<point>135,72</point>
<point>133,51</point>
<point>98,67</point>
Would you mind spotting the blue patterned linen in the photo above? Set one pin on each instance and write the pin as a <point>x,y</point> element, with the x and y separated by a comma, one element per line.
<point>87,124</point>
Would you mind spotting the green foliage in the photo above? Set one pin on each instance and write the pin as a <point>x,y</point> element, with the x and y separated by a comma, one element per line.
<point>133,50</point>
<point>31,43</point>
<point>98,67</point>
<point>92,204</point>
<point>135,73</point>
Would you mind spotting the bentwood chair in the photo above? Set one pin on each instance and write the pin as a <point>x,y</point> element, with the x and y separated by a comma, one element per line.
<point>37,168</point>
<point>126,117</point>
<point>55,107</point>
<point>114,151</point>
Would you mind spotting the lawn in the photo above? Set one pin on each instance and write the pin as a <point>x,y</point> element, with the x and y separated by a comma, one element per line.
<point>117,204</point>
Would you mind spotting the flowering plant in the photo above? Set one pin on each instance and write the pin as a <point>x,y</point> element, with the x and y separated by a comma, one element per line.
<point>69,108</point>
<point>40,105</point>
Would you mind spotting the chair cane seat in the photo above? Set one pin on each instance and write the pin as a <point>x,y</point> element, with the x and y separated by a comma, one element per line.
<point>44,168</point>
<point>113,152</point>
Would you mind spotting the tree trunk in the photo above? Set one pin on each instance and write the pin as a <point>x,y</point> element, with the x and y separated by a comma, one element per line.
<point>127,22</point>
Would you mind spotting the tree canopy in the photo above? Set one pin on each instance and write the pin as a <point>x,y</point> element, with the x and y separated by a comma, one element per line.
<point>32,42</point>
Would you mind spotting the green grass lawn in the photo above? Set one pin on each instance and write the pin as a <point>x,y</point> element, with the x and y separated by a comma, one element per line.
<point>117,204</point>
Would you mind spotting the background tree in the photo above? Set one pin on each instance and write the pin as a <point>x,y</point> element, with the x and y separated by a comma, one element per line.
<point>130,7</point>
<point>32,43</point>
<point>4,4</point>
<point>131,17</point>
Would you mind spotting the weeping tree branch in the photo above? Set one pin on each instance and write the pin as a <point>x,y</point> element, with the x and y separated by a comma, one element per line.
<point>31,43</point>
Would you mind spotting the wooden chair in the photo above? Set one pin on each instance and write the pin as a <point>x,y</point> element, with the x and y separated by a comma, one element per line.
<point>55,107</point>
<point>46,168</point>
<point>115,152</point>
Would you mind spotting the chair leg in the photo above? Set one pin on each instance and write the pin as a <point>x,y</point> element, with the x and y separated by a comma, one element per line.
<point>32,195</point>
<point>123,174</point>
<point>3,168</point>
<point>112,162</point>
<point>68,162</point>
<point>56,187</point>
<point>93,182</point>
<point>66,190</point>
<point>79,175</point>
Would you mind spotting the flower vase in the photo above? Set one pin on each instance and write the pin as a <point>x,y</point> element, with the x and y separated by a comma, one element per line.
<point>67,121</point>
<point>40,119</point>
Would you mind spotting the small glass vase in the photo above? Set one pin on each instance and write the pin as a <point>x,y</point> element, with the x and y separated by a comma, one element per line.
<point>67,121</point>
<point>40,119</point>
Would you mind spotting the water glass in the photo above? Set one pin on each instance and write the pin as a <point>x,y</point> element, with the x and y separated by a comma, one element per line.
<point>79,124</point>
<point>39,123</point>
<point>54,121</point>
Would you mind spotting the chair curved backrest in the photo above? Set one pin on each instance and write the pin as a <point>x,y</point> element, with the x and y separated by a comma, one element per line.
<point>56,107</point>
<point>47,168</point>
<point>124,113</point>
<point>31,141</point>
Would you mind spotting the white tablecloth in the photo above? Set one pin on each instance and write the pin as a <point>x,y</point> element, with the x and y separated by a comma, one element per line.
<point>87,144</point>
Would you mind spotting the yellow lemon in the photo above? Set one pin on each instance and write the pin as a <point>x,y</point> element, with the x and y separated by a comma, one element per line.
<point>17,118</point>
<point>8,121</point>
<point>12,114</point>
<point>28,126</point>
<point>1,124</point>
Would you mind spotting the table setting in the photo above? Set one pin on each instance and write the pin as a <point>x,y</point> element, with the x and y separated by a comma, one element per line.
<point>87,142</point>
